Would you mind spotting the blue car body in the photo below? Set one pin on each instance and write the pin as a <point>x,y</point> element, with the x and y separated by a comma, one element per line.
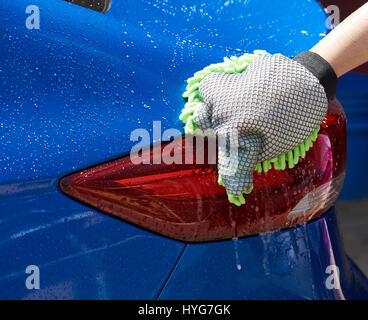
<point>71,93</point>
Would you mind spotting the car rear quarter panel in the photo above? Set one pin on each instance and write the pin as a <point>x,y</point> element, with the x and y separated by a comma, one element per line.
<point>71,94</point>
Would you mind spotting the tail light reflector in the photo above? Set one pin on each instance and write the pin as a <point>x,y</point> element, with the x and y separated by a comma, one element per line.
<point>184,201</point>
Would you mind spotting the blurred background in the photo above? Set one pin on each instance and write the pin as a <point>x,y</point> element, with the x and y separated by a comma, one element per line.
<point>352,207</point>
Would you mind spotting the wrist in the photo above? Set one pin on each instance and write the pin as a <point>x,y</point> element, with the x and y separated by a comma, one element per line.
<point>321,69</point>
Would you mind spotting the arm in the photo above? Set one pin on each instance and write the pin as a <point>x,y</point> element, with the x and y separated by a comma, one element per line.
<point>346,46</point>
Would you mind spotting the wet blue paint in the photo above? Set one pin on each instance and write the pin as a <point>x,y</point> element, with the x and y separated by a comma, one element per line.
<point>290,264</point>
<point>72,92</point>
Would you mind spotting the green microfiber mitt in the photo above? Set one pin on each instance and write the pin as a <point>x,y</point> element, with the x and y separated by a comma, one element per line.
<point>277,146</point>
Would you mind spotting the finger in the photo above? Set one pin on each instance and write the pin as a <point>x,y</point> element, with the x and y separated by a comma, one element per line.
<point>208,87</point>
<point>236,165</point>
<point>202,116</point>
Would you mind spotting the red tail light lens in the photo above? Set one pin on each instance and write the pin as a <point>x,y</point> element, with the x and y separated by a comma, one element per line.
<point>184,201</point>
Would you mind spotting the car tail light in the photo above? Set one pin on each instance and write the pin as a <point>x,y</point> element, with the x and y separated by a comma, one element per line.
<point>184,201</point>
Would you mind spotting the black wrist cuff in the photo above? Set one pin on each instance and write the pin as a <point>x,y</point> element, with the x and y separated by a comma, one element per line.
<point>320,69</point>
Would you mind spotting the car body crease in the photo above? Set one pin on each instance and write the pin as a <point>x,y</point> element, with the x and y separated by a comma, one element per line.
<point>157,297</point>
